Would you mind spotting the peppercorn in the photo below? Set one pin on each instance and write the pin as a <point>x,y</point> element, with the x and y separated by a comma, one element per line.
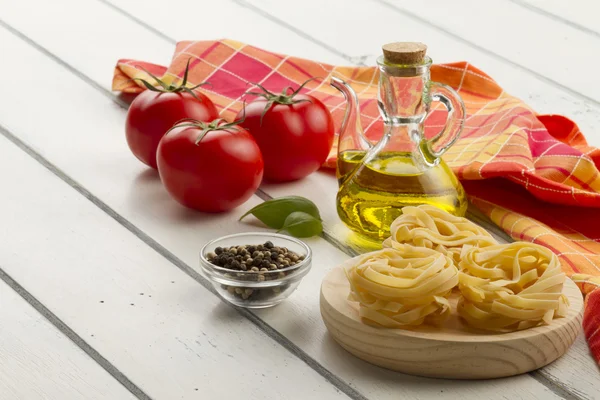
<point>263,260</point>
<point>222,259</point>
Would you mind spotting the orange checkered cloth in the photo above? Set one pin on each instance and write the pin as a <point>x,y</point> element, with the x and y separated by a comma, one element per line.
<point>533,175</point>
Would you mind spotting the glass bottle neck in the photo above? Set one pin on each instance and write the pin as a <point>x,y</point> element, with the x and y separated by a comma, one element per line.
<point>403,96</point>
<point>404,102</point>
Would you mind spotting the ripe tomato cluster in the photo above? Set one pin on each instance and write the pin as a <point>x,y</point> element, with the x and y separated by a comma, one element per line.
<point>210,165</point>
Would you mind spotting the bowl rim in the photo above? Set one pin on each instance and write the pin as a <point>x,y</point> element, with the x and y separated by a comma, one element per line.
<point>300,266</point>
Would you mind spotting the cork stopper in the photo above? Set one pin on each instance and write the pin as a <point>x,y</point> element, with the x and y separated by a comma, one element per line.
<point>406,53</point>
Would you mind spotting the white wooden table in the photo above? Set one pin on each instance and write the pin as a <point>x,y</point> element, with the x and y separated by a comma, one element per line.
<point>100,294</point>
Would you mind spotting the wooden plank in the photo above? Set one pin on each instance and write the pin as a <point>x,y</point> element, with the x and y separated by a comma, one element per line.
<point>156,324</point>
<point>123,184</point>
<point>366,27</point>
<point>580,14</point>
<point>555,50</point>
<point>575,372</point>
<point>38,362</point>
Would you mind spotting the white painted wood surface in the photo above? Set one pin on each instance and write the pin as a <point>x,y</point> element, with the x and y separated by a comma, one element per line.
<point>167,333</point>
<point>582,14</point>
<point>38,362</point>
<point>123,184</point>
<point>556,52</point>
<point>103,165</point>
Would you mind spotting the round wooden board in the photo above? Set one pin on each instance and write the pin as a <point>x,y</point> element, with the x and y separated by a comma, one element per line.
<point>452,350</point>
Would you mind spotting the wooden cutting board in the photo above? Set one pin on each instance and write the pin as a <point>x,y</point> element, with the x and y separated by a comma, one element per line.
<point>453,350</point>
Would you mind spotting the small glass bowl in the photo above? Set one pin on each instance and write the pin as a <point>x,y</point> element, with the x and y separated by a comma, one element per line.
<point>245,288</point>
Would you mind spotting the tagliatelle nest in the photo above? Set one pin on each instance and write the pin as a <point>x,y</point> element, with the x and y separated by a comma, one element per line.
<point>402,286</point>
<point>510,287</point>
<point>428,226</point>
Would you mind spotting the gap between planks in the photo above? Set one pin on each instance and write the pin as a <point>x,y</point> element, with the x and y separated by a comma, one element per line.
<point>341,385</point>
<point>484,50</point>
<point>555,17</point>
<point>64,328</point>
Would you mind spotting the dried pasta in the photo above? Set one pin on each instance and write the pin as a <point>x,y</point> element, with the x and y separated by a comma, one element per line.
<point>510,287</point>
<point>431,227</point>
<point>402,285</point>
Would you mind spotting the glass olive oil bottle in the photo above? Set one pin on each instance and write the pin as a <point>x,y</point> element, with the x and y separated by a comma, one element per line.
<point>403,168</point>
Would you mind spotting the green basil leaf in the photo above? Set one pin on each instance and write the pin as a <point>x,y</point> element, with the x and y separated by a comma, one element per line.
<point>301,224</point>
<point>273,212</point>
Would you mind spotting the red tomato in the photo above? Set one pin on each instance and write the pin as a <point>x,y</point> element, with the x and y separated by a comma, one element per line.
<point>152,113</point>
<point>217,173</point>
<point>295,135</point>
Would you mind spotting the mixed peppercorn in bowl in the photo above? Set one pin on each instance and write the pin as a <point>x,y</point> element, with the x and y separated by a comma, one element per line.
<point>255,270</point>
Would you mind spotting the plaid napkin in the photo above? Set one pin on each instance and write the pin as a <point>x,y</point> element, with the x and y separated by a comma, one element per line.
<point>534,175</point>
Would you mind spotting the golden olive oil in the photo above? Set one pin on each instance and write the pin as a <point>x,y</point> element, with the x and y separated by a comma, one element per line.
<point>372,194</point>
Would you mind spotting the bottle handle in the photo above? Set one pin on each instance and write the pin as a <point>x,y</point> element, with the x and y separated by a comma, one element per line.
<point>439,144</point>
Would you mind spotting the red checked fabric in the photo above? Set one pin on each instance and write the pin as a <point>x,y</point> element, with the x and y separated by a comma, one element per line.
<point>534,175</point>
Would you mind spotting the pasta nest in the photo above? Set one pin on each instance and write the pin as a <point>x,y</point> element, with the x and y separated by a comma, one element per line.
<point>428,226</point>
<point>402,286</point>
<point>510,287</point>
